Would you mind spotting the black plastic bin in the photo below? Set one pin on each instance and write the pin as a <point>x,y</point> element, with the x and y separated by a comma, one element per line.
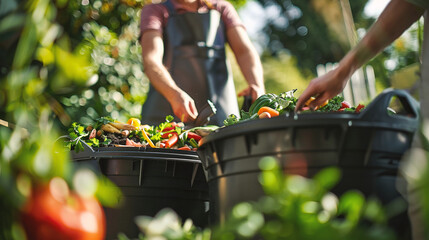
<point>367,147</point>
<point>150,180</point>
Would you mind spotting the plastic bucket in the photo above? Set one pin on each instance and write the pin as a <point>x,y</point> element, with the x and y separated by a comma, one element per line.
<point>367,148</point>
<point>150,180</point>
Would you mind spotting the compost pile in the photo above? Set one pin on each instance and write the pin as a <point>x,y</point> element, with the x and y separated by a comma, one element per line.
<point>107,132</point>
<point>271,105</point>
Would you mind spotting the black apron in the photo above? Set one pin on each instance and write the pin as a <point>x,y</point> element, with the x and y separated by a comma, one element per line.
<point>195,56</point>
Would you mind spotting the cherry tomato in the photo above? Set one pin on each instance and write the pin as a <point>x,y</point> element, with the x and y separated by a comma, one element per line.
<point>53,212</point>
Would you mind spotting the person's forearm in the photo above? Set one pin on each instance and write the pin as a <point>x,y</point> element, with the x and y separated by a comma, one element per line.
<point>251,68</point>
<point>398,16</point>
<point>161,80</point>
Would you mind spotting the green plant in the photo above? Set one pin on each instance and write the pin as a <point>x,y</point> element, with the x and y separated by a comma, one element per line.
<point>31,152</point>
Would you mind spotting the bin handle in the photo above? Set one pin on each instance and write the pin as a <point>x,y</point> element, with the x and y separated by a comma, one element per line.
<point>377,109</point>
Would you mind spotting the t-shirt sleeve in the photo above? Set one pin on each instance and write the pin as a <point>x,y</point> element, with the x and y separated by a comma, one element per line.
<point>229,14</point>
<point>420,3</point>
<point>152,18</point>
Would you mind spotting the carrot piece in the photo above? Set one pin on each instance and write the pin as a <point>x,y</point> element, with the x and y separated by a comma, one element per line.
<point>272,112</point>
<point>186,148</point>
<point>172,140</point>
<point>147,139</point>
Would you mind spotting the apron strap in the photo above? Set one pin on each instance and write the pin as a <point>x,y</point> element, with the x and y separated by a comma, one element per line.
<point>170,7</point>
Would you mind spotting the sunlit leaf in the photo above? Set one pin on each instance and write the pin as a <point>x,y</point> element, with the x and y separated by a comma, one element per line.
<point>328,177</point>
<point>108,193</point>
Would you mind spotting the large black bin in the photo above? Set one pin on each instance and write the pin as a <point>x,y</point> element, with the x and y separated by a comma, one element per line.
<point>150,180</point>
<point>367,147</point>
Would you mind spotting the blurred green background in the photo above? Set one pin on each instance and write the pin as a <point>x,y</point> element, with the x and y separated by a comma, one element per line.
<point>63,61</point>
<point>94,45</point>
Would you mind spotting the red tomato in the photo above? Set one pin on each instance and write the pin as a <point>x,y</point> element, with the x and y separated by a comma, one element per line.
<point>359,108</point>
<point>345,104</point>
<point>52,212</point>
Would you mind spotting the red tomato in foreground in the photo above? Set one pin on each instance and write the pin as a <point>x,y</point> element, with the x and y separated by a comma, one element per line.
<point>51,212</point>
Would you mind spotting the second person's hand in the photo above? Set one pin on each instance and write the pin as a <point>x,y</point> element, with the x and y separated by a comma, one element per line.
<point>253,90</point>
<point>323,88</point>
<point>184,107</point>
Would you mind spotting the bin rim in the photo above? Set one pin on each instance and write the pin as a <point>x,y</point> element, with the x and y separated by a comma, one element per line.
<point>137,153</point>
<point>373,116</point>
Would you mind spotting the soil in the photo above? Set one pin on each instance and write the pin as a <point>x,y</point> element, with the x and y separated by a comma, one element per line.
<point>119,139</point>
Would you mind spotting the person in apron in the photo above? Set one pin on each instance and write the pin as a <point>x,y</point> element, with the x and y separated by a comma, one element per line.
<point>398,16</point>
<point>183,48</point>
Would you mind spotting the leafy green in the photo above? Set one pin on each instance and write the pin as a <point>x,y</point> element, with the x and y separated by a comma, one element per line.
<point>333,105</point>
<point>103,120</point>
<point>157,132</point>
<point>231,120</point>
<point>287,101</point>
<point>76,133</point>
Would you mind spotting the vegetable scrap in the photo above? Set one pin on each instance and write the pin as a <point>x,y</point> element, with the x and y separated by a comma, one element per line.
<point>107,132</point>
<point>271,105</point>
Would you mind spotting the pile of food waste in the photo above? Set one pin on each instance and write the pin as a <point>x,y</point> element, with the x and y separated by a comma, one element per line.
<point>107,132</point>
<point>272,105</point>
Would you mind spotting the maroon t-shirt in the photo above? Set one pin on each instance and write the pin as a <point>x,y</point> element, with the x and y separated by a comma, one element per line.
<point>154,16</point>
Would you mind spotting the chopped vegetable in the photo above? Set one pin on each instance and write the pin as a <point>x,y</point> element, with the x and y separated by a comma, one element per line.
<point>108,132</point>
<point>265,115</point>
<point>359,108</point>
<point>272,112</point>
<point>192,135</point>
<point>172,140</point>
<point>185,148</point>
<point>134,122</point>
<point>147,138</point>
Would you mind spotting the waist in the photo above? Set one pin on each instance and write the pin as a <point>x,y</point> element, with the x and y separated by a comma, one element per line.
<point>199,51</point>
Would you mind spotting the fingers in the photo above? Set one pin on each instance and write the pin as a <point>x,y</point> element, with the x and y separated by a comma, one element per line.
<point>244,92</point>
<point>253,91</point>
<point>319,101</point>
<point>188,112</point>
<point>307,94</point>
<point>192,111</point>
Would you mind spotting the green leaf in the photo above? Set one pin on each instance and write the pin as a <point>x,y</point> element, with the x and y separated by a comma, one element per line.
<point>107,192</point>
<point>230,120</point>
<point>79,147</point>
<point>328,177</point>
<point>169,118</point>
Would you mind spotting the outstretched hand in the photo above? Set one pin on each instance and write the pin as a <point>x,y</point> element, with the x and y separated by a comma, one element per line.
<point>323,88</point>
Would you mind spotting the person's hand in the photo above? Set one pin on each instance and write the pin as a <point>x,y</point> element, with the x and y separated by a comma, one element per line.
<point>253,90</point>
<point>184,107</point>
<point>323,88</point>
